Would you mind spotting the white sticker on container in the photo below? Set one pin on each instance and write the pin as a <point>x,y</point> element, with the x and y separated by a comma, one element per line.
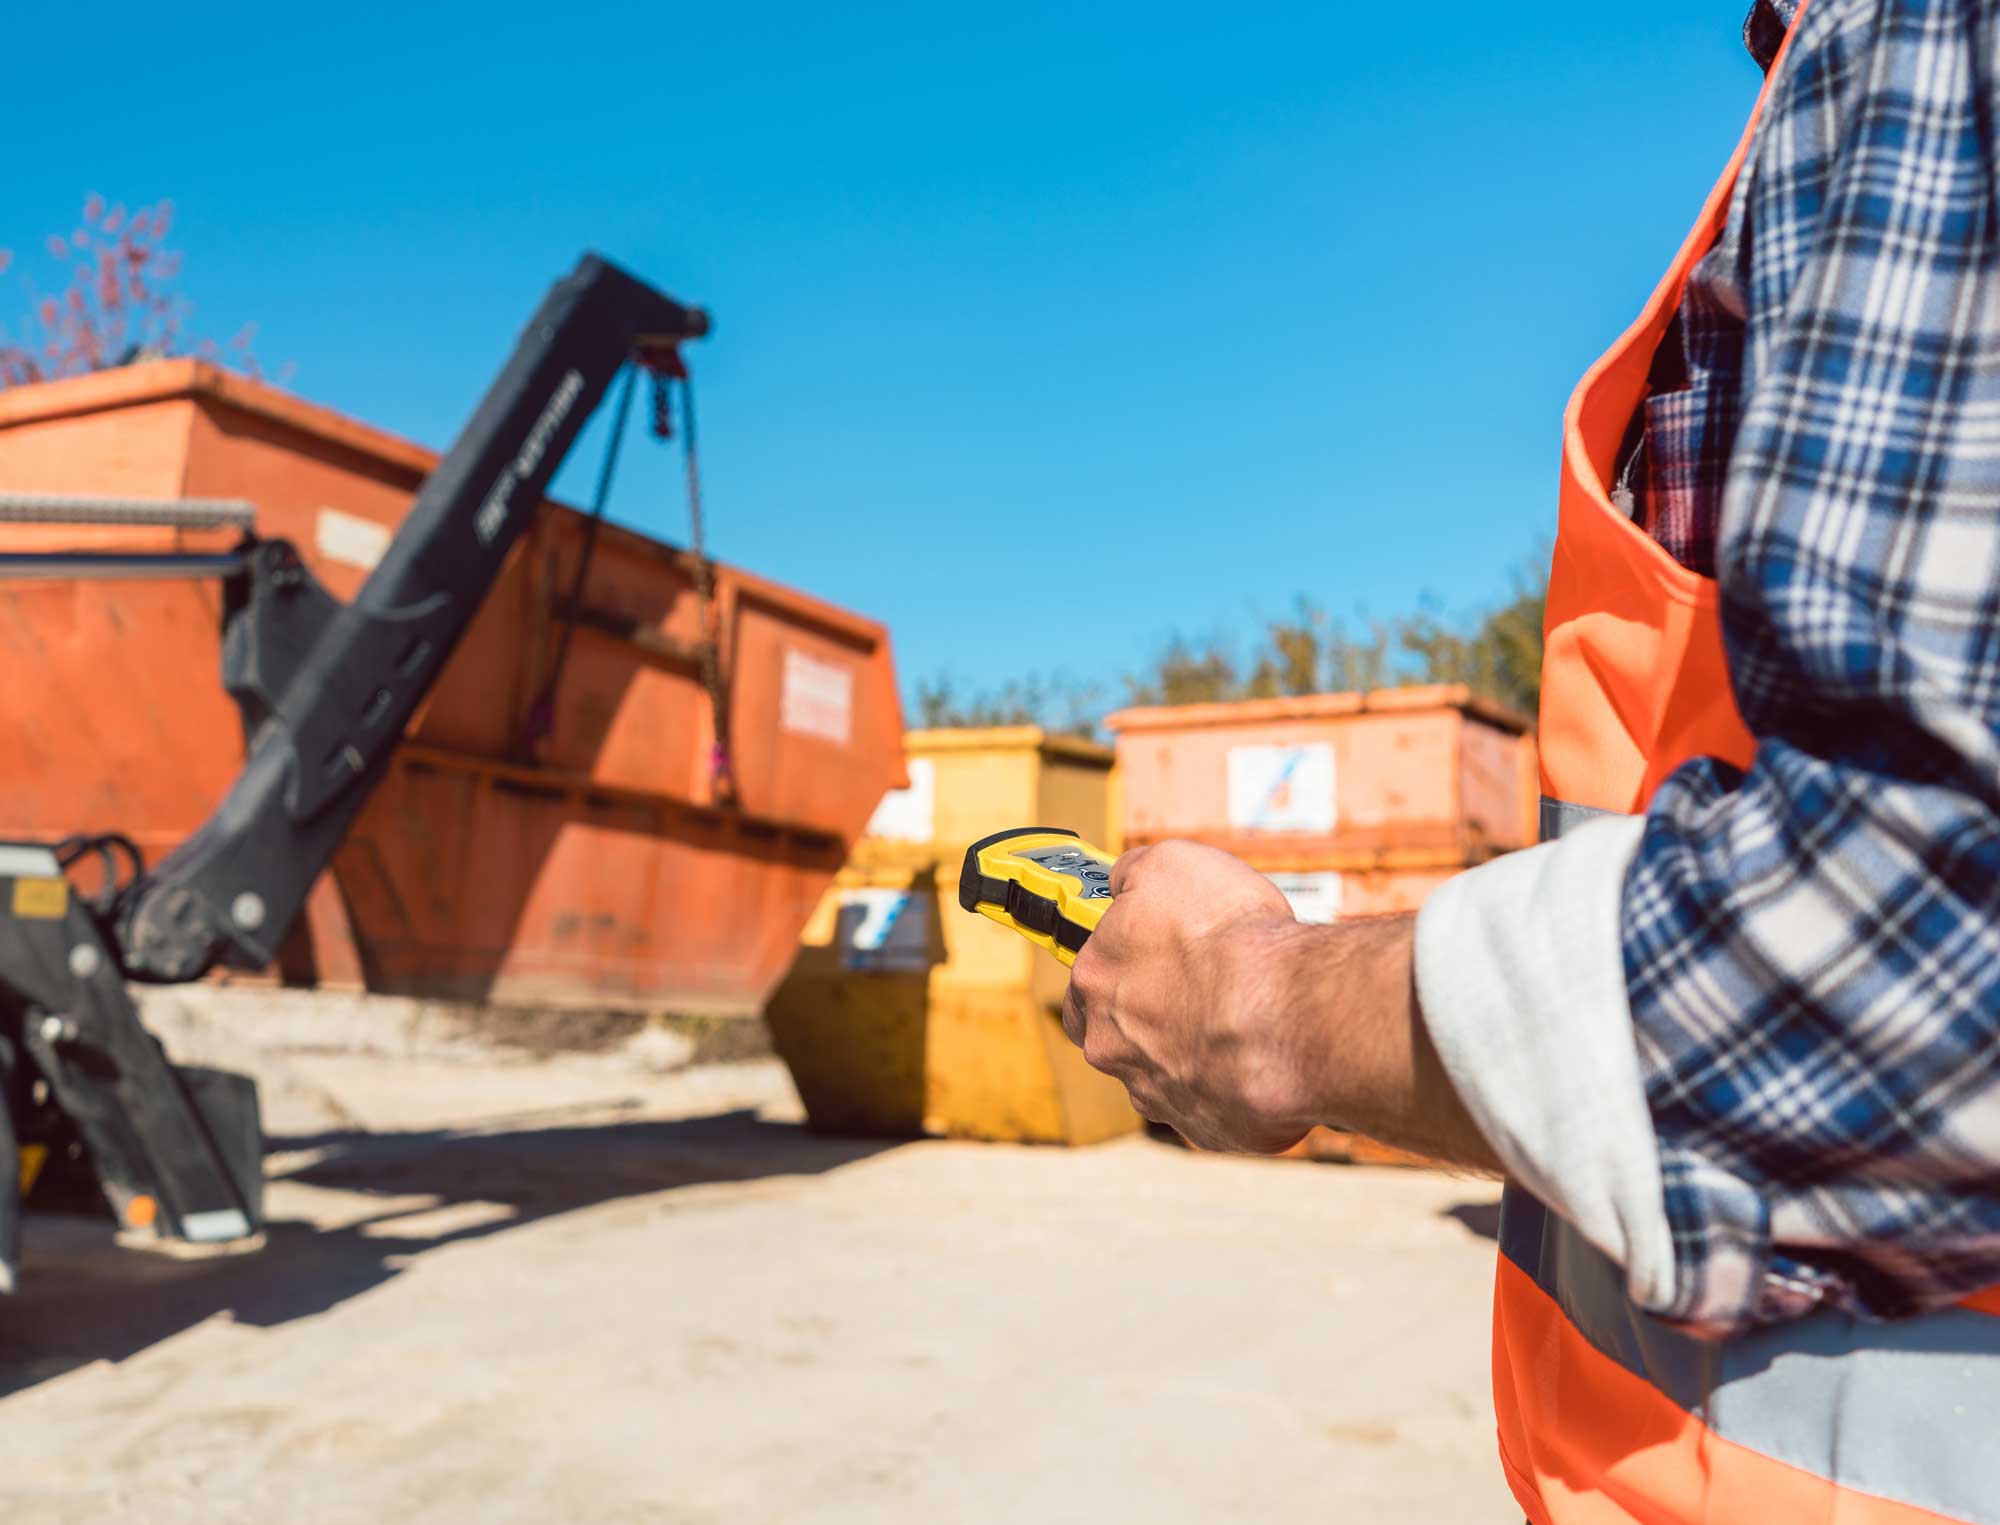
<point>885,931</point>
<point>1313,897</point>
<point>818,698</point>
<point>909,815</point>
<point>349,539</point>
<point>1282,789</point>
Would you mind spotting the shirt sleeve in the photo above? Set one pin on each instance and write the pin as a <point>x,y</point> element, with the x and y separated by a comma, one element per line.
<point>1521,977</point>
<point>1810,948</point>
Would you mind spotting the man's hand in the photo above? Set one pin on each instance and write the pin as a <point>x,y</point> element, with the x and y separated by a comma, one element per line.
<point>1174,995</point>
<point>1241,1028</point>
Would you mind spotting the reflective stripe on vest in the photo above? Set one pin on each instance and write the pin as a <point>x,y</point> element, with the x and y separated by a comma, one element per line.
<point>1559,816</point>
<point>1608,1416</point>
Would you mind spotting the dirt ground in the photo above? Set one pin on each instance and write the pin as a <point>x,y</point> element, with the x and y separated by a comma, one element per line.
<point>508,1284</point>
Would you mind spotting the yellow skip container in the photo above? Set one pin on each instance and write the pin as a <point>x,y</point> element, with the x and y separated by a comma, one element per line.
<point>905,1016</point>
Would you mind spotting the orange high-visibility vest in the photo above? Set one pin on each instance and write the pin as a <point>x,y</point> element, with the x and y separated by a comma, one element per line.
<point>1607,1415</point>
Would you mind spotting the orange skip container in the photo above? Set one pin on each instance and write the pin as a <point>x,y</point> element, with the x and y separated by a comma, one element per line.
<point>594,866</point>
<point>1390,792</point>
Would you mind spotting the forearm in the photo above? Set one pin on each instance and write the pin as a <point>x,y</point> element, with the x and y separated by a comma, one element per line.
<point>1381,1075</point>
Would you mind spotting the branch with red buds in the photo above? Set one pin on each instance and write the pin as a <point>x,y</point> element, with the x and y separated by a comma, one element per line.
<point>118,302</point>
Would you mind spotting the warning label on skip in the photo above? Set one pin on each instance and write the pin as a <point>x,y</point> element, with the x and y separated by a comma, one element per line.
<point>887,931</point>
<point>1282,788</point>
<point>818,698</point>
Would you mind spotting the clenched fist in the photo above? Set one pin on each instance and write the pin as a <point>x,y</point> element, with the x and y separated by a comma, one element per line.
<point>1177,995</point>
<point>1242,1028</point>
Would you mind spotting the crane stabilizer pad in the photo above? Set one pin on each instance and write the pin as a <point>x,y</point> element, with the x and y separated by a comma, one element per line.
<point>1046,883</point>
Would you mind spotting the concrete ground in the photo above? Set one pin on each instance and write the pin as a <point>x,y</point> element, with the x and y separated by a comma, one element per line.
<point>504,1284</point>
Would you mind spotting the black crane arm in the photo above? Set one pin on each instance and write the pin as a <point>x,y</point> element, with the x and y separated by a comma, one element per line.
<point>327,689</point>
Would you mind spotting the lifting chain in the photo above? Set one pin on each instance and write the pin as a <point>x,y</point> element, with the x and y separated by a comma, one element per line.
<point>714,673</point>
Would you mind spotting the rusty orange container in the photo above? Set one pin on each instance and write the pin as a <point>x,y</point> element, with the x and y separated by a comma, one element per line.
<point>1360,803</point>
<point>592,866</point>
<point>1357,804</point>
<point>1428,766</point>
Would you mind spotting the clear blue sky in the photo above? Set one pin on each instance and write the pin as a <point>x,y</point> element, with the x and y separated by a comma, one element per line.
<point>1180,310</point>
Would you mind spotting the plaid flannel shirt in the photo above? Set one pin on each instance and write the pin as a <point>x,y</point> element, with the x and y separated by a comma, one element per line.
<point>1812,948</point>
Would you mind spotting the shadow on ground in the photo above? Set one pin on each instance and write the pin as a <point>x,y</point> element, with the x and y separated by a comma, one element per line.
<point>83,1299</point>
<point>1481,1218</point>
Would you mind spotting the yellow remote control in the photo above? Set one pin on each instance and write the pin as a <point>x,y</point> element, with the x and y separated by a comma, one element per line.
<point>1048,884</point>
